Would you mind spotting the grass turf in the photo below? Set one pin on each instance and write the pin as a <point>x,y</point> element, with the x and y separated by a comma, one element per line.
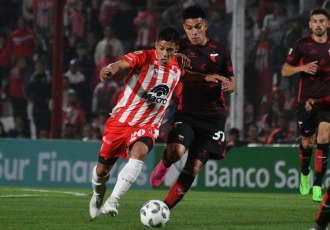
<point>54,209</point>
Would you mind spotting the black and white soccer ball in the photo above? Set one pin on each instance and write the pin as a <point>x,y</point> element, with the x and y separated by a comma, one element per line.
<point>154,214</point>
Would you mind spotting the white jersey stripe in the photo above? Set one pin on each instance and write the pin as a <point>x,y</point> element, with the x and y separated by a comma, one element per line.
<point>137,97</point>
<point>128,90</point>
<point>143,108</point>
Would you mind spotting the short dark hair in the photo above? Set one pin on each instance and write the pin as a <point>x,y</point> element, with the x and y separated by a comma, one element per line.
<point>169,34</point>
<point>193,12</point>
<point>319,11</point>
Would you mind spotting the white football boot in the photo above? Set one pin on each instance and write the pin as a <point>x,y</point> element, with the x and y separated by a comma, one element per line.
<point>110,207</point>
<point>95,205</point>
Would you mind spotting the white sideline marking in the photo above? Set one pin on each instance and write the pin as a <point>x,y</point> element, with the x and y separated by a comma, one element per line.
<point>23,195</point>
<point>49,191</point>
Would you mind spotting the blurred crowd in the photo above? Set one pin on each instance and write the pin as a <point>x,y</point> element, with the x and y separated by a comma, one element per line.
<point>99,32</point>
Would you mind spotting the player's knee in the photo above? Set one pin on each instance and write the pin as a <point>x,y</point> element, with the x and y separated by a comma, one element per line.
<point>102,170</point>
<point>323,138</point>
<point>175,152</point>
<point>308,143</point>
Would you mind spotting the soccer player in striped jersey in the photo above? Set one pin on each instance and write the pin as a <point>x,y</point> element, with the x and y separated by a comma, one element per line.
<point>310,57</point>
<point>199,123</point>
<point>135,120</point>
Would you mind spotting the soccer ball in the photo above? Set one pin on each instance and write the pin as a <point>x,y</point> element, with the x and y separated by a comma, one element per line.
<point>154,214</point>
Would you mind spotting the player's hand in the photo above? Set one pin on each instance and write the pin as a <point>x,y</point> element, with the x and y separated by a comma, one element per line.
<point>106,72</point>
<point>184,61</point>
<point>216,78</point>
<point>310,68</point>
<point>312,105</point>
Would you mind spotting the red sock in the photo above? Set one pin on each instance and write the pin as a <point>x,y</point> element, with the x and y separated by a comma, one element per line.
<point>178,190</point>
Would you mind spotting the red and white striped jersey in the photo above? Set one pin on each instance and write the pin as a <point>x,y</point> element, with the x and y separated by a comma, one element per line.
<point>147,90</point>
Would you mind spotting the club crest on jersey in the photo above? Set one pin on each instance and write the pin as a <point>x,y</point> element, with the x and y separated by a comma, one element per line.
<point>157,94</point>
<point>213,57</point>
<point>155,74</point>
<point>290,51</point>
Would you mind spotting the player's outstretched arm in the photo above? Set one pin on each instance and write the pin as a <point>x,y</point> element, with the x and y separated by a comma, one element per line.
<point>184,61</point>
<point>190,76</point>
<point>113,68</point>
<point>289,70</point>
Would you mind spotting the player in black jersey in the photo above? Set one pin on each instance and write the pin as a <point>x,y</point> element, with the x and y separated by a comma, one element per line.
<point>199,123</point>
<point>310,57</point>
<point>323,216</point>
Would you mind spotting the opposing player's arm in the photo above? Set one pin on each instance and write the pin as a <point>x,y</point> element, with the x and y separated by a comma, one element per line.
<point>229,87</point>
<point>113,68</point>
<point>190,76</point>
<point>289,70</point>
<point>313,105</point>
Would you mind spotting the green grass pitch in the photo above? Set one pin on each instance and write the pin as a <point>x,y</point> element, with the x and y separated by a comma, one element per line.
<point>44,208</point>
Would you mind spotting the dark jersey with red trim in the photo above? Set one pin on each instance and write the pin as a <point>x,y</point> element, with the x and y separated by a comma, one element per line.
<point>202,97</point>
<point>307,50</point>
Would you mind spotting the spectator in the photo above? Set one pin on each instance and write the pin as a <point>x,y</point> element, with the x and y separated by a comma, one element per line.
<point>234,139</point>
<point>107,10</point>
<point>27,11</point>
<point>147,24</point>
<point>74,115</point>
<point>87,68</point>
<point>275,23</point>
<point>270,120</point>
<point>66,90</point>
<point>217,26</point>
<point>123,27</point>
<point>19,129</point>
<point>4,59</point>
<point>248,114</point>
<point>99,122</point>
<point>91,43</point>
<point>109,58</point>
<point>76,79</point>
<point>93,19</point>
<point>289,107</point>
<point>117,46</point>
<point>22,41</point>
<point>70,53</point>
<point>78,20</point>
<point>102,94</point>
<point>18,77</point>
<point>43,14</point>
<point>43,134</point>
<point>89,133</point>
<point>253,135</point>
<point>38,91</point>
<point>68,131</point>
<point>3,132</point>
<point>264,54</point>
<point>283,134</point>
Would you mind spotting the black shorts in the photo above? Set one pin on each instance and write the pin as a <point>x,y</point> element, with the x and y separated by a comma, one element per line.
<point>204,136</point>
<point>308,122</point>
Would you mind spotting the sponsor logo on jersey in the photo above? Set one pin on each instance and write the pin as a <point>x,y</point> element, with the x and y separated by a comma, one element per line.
<point>157,94</point>
<point>191,54</point>
<point>138,52</point>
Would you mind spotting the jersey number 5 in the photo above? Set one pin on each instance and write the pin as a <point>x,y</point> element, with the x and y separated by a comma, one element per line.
<point>219,135</point>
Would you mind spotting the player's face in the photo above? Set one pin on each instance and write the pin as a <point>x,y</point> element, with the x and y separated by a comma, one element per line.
<point>319,24</point>
<point>195,29</point>
<point>165,51</point>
